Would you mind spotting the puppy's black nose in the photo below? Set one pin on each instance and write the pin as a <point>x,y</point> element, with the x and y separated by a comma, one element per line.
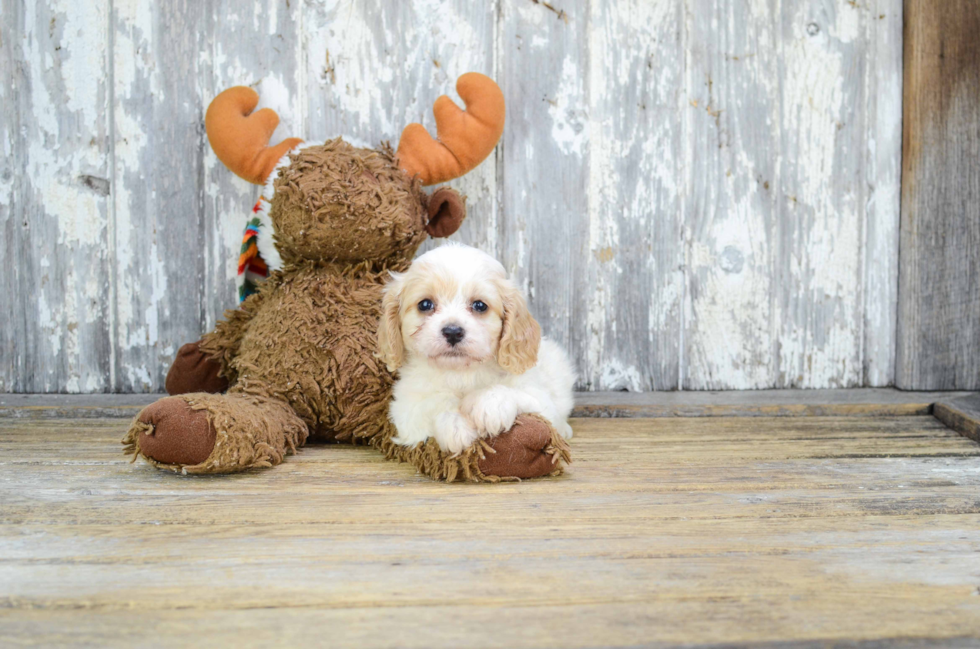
<point>453,334</point>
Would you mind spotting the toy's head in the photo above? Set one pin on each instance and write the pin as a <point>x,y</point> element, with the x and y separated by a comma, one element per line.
<point>337,202</point>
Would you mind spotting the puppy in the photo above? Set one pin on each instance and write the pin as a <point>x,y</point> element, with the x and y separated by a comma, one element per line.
<point>469,354</point>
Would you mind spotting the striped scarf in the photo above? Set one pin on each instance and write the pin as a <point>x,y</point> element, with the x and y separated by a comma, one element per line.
<point>252,269</point>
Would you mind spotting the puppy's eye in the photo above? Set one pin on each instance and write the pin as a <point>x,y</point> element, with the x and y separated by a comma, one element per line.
<point>479,306</point>
<point>426,305</point>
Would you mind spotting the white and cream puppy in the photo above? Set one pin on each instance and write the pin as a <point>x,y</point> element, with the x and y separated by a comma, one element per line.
<point>469,355</point>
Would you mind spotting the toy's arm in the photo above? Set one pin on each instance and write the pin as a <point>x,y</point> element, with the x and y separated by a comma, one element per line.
<point>222,344</point>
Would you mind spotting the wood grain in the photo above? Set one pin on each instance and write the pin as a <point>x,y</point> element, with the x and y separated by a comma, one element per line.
<point>866,402</point>
<point>962,414</point>
<point>543,64</point>
<point>788,108</point>
<point>55,197</point>
<point>939,305</point>
<point>636,173</point>
<point>695,194</point>
<point>158,157</point>
<point>664,531</point>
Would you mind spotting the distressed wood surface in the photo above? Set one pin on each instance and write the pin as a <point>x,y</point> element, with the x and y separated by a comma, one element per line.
<point>663,532</point>
<point>962,414</point>
<point>637,135</point>
<point>791,228</point>
<point>939,306</point>
<point>695,194</point>
<point>863,402</point>
<point>55,211</point>
<point>543,70</point>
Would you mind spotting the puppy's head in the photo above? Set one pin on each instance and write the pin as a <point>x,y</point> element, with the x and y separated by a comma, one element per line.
<point>456,308</point>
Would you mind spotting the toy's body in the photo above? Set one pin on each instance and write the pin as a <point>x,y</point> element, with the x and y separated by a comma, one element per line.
<point>322,363</point>
<point>298,359</point>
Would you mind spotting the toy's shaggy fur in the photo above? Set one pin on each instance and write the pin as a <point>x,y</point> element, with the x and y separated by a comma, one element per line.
<point>300,355</point>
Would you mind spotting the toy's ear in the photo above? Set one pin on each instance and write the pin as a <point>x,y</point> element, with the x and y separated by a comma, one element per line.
<point>447,209</point>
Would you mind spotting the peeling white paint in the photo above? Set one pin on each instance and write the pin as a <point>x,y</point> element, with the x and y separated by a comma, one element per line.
<point>569,114</point>
<point>735,139</point>
<point>77,56</point>
<point>60,212</point>
<point>616,376</point>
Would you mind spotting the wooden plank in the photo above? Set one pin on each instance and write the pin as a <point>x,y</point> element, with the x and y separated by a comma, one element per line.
<point>159,237</point>
<point>755,403</point>
<point>939,303</point>
<point>664,531</point>
<point>726,622</point>
<point>962,414</point>
<point>764,403</point>
<point>812,467</point>
<point>730,328</point>
<point>871,401</point>
<point>543,66</point>
<point>881,152</point>
<point>55,186</point>
<point>372,68</point>
<point>36,472</point>
<point>635,196</point>
<point>784,154</point>
<point>108,545</point>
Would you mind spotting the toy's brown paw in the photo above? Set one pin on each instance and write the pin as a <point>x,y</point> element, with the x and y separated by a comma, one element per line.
<point>194,371</point>
<point>173,433</point>
<point>526,451</point>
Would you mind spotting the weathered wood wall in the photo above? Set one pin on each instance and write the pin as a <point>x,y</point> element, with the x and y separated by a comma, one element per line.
<point>939,305</point>
<point>697,194</point>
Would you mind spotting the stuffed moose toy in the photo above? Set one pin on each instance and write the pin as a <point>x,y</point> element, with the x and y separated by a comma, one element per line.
<point>297,361</point>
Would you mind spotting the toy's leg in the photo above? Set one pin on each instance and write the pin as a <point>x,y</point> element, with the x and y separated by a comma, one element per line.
<point>532,448</point>
<point>210,433</point>
<point>195,371</point>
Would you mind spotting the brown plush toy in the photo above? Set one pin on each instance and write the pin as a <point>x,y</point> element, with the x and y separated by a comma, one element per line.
<point>298,361</point>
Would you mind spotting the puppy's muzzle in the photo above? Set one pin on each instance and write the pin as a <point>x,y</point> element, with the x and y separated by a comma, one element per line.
<point>453,334</point>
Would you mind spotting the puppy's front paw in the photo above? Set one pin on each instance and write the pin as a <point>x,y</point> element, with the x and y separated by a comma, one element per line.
<point>493,411</point>
<point>564,430</point>
<point>453,432</point>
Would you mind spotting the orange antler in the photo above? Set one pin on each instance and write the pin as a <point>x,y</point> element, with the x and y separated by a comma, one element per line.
<point>465,137</point>
<point>240,138</point>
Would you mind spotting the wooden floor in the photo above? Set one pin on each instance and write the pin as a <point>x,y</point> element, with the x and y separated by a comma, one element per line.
<point>691,531</point>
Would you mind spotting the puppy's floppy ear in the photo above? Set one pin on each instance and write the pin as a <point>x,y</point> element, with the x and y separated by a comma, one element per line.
<point>391,348</point>
<point>447,209</point>
<point>520,335</point>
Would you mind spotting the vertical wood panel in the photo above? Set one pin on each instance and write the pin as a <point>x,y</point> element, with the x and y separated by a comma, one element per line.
<point>159,244</point>
<point>883,106</point>
<point>543,70</point>
<point>939,302</point>
<point>784,198</point>
<point>54,197</point>
<point>730,215</point>
<point>821,193</point>
<point>374,67</point>
<point>636,180</point>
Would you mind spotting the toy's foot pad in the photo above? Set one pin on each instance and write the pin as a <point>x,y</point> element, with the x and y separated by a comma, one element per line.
<point>174,433</point>
<point>194,371</point>
<point>523,452</point>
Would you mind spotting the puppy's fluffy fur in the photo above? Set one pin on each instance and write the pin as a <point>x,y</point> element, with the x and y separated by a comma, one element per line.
<point>498,368</point>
